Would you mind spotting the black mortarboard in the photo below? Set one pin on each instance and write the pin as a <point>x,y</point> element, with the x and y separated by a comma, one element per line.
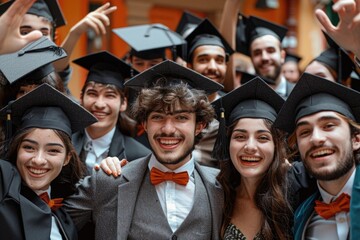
<point>105,68</point>
<point>188,22</point>
<point>49,9</point>
<point>314,94</point>
<point>46,107</point>
<point>241,43</point>
<point>337,59</point>
<point>245,77</point>
<point>206,34</point>
<point>150,40</point>
<point>169,72</point>
<point>34,58</point>
<point>257,27</point>
<point>291,57</point>
<point>255,99</point>
<point>355,81</point>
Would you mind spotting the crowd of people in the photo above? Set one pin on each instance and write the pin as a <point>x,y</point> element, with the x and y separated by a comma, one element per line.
<point>159,149</point>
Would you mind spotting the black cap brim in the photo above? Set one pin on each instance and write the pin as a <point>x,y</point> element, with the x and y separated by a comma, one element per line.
<point>33,56</point>
<point>106,68</point>
<point>258,99</point>
<point>336,97</point>
<point>149,36</point>
<point>172,71</point>
<point>47,96</point>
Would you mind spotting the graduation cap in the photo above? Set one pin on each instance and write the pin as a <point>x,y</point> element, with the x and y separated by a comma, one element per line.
<point>206,34</point>
<point>255,27</point>
<point>314,94</point>
<point>171,73</point>
<point>49,9</point>
<point>105,68</point>
<point>149,41</point>
<point>47,108</point>
<point>291,57</point>
<point>34,59</point>
<point>355,81</point>
<point>188,22</point>
<point>337,59</point>
<point>245,76</point>
<point>254,99</point>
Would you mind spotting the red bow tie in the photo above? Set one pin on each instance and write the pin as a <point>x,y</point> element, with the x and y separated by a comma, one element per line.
<point>52,203</point>
<point>157,176</point>
<point>341,204</point>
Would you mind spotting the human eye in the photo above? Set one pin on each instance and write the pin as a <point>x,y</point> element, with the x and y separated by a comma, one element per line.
<point>264,138</point>
<point>302,132</point>
<point>239,136</point>
<point>329,125</point>
<point>54,150</point>
<point>156,117</point>
<point>182,117</point>
<point>27,147</point>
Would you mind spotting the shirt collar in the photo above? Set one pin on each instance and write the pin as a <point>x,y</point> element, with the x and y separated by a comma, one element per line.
<point>101,144</point>
<point>327,198</point>
<point>189,166</point>
<point>281,88</point>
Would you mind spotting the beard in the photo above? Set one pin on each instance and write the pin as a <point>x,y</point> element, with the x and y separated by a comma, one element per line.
<point>173,158</point>
<point>343,167</point>
<point>270,78</point>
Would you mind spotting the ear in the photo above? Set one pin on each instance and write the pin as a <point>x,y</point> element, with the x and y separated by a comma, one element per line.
<point>283,55</point>
<point>199,127</point>
<point>123,105</point>
<point>67,160</point>
<point>356,142</point>
<point>144,125</point>
<point>189,65</point>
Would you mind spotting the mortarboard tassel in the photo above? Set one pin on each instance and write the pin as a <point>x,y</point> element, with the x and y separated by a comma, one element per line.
<point>220,151</point>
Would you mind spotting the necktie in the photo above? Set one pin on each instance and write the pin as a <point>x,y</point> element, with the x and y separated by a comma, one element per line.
<point>52,203</point>
<point>157,176</point>
<point>341,204</point>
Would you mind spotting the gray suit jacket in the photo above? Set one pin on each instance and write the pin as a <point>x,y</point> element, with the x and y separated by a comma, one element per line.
<point>110,202</point>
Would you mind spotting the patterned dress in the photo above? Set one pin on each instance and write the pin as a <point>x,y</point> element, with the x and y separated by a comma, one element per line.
<point>233,233</point>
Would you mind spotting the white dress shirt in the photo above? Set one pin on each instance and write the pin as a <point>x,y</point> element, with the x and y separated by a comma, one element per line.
<point>97,149</point>
<point>281,88</point>
<point>336,227</point>
<point>176,200</point>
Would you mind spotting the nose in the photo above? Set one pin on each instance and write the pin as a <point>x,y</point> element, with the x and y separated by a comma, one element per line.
<point>168,127</point>
<point>212,64</point>
<point>39,158</point>
<point>317,137</point>
<point>100,103</point>
<point>264,55</point>
<point>250,146</point>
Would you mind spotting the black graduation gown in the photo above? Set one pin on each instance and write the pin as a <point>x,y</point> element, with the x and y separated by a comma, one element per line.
<point>23,215</point>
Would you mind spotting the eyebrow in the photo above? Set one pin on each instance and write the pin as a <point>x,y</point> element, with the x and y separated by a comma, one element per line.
<point>321,119</point>
<point>36,143</point>
<point>207,54</point>
<point>244,131</point>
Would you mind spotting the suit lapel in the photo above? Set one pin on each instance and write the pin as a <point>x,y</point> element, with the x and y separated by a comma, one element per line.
<point>117,148</point>
<point>216,199</point>
<point>128,190</point>
<point>78,141</point>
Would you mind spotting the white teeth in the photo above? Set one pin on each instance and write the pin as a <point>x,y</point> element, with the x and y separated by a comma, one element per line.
<point>37,171</point>
<point>322,152</point>
<point>251,159</point>
<point>169,142</point>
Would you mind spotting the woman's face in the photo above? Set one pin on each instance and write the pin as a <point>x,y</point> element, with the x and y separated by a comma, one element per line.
<point>251,148</point>
<point>40,158</point>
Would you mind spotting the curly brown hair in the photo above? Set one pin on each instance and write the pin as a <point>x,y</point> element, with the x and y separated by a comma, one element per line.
<point>270,195</point>
<point>164,98</point>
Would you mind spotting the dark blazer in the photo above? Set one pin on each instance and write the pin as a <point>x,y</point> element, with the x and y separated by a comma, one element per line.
<point>23,215</point>
<point>355,206</point>
<point>121,146</point>
<point>110,202</point>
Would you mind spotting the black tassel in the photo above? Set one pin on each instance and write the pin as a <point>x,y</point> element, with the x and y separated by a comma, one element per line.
<point>8,129</point>
<point>220,151</point>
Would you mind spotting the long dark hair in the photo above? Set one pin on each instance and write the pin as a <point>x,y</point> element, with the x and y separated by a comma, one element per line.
<point>270,195</point>
<point>64,184</point>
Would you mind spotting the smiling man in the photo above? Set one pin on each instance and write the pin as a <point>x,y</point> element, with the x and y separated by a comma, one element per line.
<point>261,41</point>
<point>165,195</point>
<point>323,117</point>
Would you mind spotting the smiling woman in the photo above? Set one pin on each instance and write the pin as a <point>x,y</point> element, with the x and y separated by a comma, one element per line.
<point>42,162</point>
